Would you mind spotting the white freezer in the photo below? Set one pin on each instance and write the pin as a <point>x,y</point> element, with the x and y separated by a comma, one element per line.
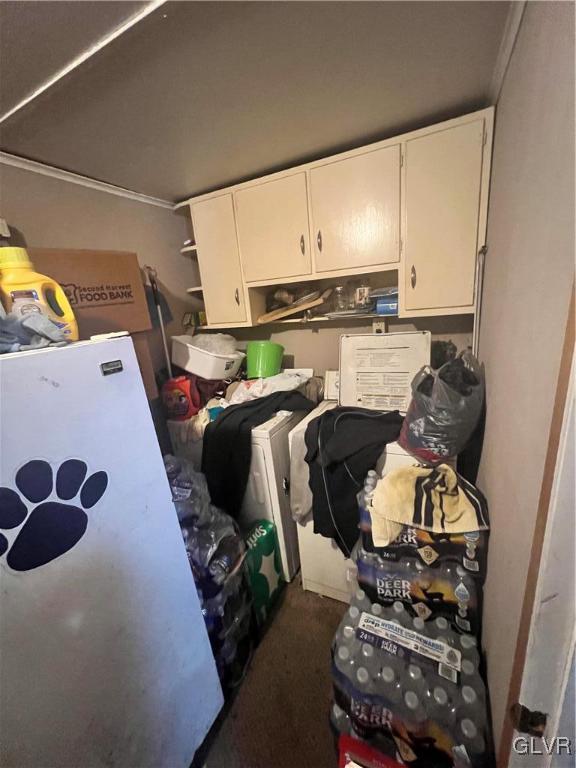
<point>105,656</point>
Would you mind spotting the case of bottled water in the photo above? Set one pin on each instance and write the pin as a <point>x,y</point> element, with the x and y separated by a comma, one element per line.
<point>418,684</point>
<point>446,591</point>
<point>469,550</point>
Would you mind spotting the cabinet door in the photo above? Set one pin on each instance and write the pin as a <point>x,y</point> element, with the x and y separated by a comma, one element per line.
<point>356,210</point>
<point>218,259</point>
<point>443,181</point>
<point>273,228</point>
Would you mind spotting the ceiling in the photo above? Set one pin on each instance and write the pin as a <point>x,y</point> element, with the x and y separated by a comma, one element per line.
<point>39,38</point>
<point>199,95</point>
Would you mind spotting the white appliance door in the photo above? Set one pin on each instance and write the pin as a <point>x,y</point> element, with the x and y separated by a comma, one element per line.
<point>105,656</point>
<point>278,464</point>
<point>257,504</point>
<point>267,493</point>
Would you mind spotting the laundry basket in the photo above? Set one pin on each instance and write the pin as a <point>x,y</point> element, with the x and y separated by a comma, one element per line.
<point>208,365</point>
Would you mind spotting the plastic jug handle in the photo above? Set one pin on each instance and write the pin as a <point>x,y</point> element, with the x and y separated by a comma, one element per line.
<point>56,299</point>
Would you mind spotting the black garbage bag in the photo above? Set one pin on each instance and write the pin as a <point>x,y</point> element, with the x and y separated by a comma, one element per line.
<point>444,411</point>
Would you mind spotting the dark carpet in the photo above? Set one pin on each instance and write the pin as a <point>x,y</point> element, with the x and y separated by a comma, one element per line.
<point>279,717</point>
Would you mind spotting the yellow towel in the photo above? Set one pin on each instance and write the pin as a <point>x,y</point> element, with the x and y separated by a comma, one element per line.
<point>435,499</point>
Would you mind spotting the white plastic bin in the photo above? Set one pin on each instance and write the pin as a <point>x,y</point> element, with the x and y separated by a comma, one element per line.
<point>208,365</point>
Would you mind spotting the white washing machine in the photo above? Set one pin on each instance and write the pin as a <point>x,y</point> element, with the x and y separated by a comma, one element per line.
<point>324,568</point>
<point>268,493</point>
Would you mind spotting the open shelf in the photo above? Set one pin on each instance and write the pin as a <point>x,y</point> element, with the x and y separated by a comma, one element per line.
<point>195,289</point>
<point>324,319</point>
<point>188,249</point>
<point>381,278</point>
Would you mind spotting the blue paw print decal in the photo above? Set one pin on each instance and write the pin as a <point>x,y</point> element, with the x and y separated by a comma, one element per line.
<point>50,528</point>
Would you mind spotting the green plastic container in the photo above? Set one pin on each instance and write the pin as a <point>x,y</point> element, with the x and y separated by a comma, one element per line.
<point>264,567</point>
<point>263,359</point>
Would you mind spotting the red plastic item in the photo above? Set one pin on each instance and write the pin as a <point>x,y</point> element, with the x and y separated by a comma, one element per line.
<point>181,400</point>
<point>357,754</point>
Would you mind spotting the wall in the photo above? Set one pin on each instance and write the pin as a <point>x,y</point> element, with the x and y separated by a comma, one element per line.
<point>57,214</point>
<point>316,345</point>
<point>529,275</point>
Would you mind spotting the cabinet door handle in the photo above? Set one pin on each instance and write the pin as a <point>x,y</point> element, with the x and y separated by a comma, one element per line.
<point>302,244</point>
<point>413,276</point>
<point>237,296</point>
<point>319,240</point>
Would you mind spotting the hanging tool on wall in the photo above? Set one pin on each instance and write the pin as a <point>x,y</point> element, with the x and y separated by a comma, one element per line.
<point>152,274</point>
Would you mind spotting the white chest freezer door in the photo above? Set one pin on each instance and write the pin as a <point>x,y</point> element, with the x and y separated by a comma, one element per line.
<point>105,656</point>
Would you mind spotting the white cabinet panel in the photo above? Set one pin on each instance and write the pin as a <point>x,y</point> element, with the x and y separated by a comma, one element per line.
<point>273,228</point>
<point>356,210</point>
<point>218,260</point>
<point>442,193</point>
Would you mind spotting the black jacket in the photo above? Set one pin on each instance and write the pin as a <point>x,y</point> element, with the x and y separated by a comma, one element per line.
<point>342,445</point>
<point>227,449</point>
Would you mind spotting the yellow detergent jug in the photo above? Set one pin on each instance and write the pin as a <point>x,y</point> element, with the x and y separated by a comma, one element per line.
<point>23,290</point>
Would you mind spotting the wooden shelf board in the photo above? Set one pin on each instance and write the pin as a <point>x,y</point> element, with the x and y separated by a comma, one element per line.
<point>196,289</point>
<point>324,319</point>
<point>188,249</point>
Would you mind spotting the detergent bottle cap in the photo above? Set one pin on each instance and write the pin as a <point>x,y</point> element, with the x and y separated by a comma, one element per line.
<point>11,257</point>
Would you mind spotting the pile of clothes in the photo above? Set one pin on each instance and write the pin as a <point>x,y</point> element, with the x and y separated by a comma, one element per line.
<point>19,333</point>
<point>217,436</point>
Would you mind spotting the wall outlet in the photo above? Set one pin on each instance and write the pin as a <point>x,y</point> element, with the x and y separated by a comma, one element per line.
<point>378,326</point>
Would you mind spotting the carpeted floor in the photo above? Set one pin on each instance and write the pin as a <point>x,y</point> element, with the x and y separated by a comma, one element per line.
<point>279,717</point>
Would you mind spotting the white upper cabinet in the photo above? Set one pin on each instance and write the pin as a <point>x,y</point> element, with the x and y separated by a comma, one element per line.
<point>272,219</point>
<point>443,184</point>
<point>355,206</point>
<point>218,260</point>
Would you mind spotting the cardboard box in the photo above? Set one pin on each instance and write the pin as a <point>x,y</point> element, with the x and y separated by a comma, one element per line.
<point>105,288</point>
<point>142,349</point>
<point>106,292</point>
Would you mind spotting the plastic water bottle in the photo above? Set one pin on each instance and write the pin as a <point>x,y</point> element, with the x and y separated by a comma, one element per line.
<point>418,625</point>
<point>352,616</point>
<point>414,681</point>
<point>343,661</point>
<point>470,737</point>
<point>389,685</point>
<point>366,658</point>
<point>470,705</point>
<point>440,708</point>
<point>439,628</point>
<point>470,675</point>
<point>399,614</point>
<point>412,566</point>
<point>338,637</point>
<point>229,551</point>
<point>363,681</point>
<point>414,710</point>
<point>469,647</point>
<point>365,565</point>
<point>339,719</point>
<point>376,609</point>
<point>350,640</point>
<point>361,601</point>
